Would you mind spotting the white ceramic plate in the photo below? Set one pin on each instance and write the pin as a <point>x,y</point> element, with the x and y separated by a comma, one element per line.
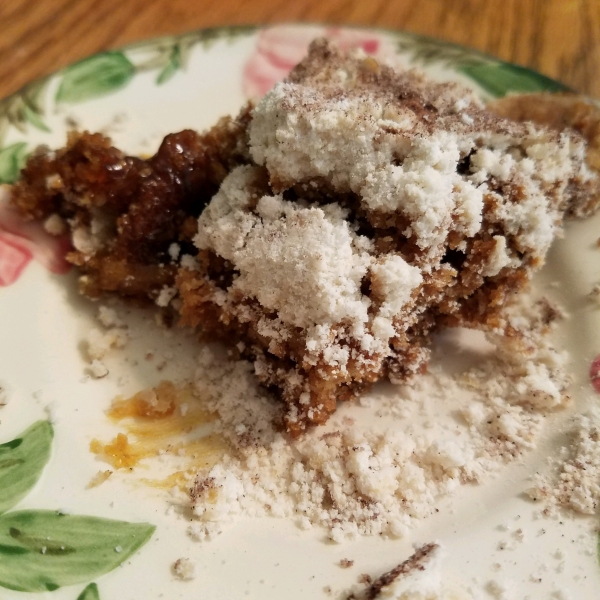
<point>137,96</point>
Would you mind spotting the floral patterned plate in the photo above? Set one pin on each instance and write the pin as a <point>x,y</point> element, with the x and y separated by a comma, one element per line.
<point>63,538</point>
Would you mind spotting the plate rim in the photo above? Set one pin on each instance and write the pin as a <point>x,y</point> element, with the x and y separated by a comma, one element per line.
<point>253,28</point>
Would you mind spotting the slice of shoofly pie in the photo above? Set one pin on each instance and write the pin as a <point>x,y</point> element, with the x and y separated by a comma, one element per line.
<point>328,231</point>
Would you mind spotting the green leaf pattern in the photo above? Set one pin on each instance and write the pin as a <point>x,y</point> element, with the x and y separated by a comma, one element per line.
<point>24,107</point>
<point>22,459</point>
<point>43,550</point>
<point>172,66</point>
<point>95,76</point>
<point>12,160</point>
<point>495,77</point>
<point>34,118</point>
<point>90,593</point>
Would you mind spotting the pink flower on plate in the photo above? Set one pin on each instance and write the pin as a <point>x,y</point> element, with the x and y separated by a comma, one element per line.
<point>280,48</point>
<point>20,241</point>
<point>595,373</point>
<point>13,258</point>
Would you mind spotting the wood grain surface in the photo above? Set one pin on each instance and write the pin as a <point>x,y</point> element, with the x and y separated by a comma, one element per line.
<point>560,38</point>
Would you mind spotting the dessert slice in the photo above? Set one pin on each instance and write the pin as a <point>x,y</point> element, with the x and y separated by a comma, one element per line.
<point>350,214</point>
<point>380,206</point>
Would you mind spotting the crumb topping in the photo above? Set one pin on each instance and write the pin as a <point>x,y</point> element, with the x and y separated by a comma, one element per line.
<point>401,143</point>
<point>299,261</point>
<point>184,569</point>
<point>306,263</point>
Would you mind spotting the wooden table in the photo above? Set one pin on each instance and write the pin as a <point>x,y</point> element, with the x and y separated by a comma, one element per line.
<point>560,38</point>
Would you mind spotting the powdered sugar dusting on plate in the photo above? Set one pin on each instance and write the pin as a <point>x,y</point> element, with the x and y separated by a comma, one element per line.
<point>363,476</point>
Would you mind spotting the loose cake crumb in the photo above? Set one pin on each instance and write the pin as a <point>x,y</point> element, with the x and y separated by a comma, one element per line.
<point>109,317</point>
<point>174,251</point>
<point>573,482</point>
<point>420,577</point>
<point>184,569</point>
<point>346,563</point>
<point>55,225</point>
<point>99,478</point>
<point>499,590</point>
<point>98,369</point>
<point>99,343</point>
<point>165,296</point>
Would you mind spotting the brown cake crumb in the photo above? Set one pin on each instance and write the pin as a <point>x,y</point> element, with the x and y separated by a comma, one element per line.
<point>560,112</point>
<point>416,562</point>
<point>99,478</point>
<point>184,569</point>
<point>125,212</point>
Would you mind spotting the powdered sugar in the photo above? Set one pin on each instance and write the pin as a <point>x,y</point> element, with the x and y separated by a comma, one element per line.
<point>358,133</point>
<point>305,263</point>
<point>499,258</point>
<point>394,280</point>
<point>301,263</point>
<point>427,189</point>
<point>313,137</point>
<point>356,478</point>
<point>573,482</point>
<point>166,294</point>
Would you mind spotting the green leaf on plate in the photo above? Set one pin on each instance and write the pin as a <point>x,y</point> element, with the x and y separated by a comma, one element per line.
<point>90,593</point>
<point>22,460</point>
<point>95,76</point>
<point>500,78</point>
<point>12,160</point>
<point>34,118</point>
<point>42,550</point>
<point>172,66</point>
